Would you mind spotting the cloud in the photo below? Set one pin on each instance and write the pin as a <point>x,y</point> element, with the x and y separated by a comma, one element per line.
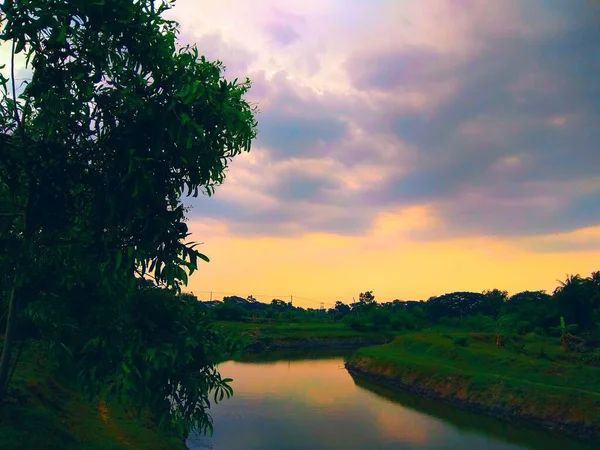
<point>488,120</point>
<point>283,34</point>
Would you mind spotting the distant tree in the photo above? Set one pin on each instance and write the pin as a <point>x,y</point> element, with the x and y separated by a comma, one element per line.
<point>576,300</point>
<point>492,303</point>
<point>536,307</point>
<point>366,298</point>
<point>342,308</point>
<point>503,325</point>
<point>279,305</point>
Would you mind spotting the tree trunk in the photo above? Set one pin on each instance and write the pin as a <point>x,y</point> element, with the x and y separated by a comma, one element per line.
<point>7,348</point>
<point>498,340</point>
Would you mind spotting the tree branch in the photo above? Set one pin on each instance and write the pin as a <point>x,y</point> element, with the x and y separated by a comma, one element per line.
<point>14,87</point>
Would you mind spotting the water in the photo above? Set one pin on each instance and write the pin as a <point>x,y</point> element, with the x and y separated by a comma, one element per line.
<point>301,401</point>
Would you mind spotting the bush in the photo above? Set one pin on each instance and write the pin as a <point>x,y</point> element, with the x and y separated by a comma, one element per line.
<point>228,312</point>
<point>461,341</point>
<point>479,323</point>
<point>353,322</point>
<point>523,327</point>
<point>379,318</point>
<point>453,322</point>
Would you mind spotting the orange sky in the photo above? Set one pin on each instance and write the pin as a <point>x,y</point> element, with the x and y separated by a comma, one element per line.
<point>318,268</point>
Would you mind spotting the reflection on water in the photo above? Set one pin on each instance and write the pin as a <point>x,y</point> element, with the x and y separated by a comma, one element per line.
<point>309,401</point>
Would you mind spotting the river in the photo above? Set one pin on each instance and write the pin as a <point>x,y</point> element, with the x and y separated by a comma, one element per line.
<point>301,401</point>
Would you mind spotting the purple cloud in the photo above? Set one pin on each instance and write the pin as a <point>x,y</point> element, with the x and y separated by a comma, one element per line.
<point>282,34</point>
<point>499,141</point>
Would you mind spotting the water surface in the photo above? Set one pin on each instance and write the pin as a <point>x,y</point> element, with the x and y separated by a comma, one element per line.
<point>301,401</point>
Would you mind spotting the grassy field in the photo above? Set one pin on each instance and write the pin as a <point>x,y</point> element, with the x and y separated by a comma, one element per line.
<point>300,335</point>
<point>295,330</point>
<point>300,330</point>
<point>529,377</point>
<point>45,411</point>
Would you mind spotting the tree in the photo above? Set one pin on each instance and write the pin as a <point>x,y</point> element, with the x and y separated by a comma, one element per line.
<point>366,298</point>
<point>492,302</point>
<point>576,300</point>
<point>503,325</point>
<point>115,125</point>
<point>341,308</point>
<point>279,305</point>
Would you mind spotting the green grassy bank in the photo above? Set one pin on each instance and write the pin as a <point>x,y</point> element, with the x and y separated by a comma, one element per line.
<point>259,336</point>
<point>47,411</point>
<point>528,379</point>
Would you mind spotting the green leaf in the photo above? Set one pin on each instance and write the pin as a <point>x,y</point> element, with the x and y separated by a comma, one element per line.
<point>125,368</point>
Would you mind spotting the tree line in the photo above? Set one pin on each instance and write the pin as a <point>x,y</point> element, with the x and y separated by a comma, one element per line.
<point>576,300</point>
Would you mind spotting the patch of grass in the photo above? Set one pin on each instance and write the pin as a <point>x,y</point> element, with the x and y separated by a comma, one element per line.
<point>47,411</point>
<point>295,330</point>
<point>513,377</point>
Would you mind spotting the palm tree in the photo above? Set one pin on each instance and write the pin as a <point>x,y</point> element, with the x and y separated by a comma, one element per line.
<point>570,281</point>
<point>502,326</point>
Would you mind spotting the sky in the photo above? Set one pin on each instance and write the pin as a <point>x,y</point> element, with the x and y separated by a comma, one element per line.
<point>408,147</point>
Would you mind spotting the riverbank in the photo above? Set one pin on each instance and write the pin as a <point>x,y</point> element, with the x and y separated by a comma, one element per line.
<point>507,383</point>
<point>48,411</point>
<point>259,337</point>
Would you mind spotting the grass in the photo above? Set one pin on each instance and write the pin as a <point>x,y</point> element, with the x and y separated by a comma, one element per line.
<point>513,378</point>
<point>297,334</point>
<point>47,411</point>
<point>296,330</point>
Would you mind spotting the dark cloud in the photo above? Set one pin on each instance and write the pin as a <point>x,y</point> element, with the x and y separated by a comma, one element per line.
<point>306,186</point>
<point>562,246</point>
<point>500,153</point>
<point>296,134</point>
<point>540,99</point>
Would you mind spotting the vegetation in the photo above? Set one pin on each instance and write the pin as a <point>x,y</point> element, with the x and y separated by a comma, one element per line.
<point>97,148</point>
<point>529,377</point>
<point>576,301</point>
<point>48,411</point>
<point>531,355</point>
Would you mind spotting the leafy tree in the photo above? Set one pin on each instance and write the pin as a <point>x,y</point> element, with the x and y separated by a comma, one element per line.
<point>577,298</point>
<point>341,308</point>
<point>279,305</point>
<point>504,324</point>
<point>492,302</point>
<point>116,123</point>
<point>366,298</point>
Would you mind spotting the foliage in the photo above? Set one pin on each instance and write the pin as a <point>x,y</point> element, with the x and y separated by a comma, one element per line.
<point>490,311</point>
<point>461,341</point>
<point>114,126</point>
<point>227,311</point>
<point>164,358</point>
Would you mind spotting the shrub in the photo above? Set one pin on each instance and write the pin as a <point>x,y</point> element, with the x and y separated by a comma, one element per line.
<point>461,341</point>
